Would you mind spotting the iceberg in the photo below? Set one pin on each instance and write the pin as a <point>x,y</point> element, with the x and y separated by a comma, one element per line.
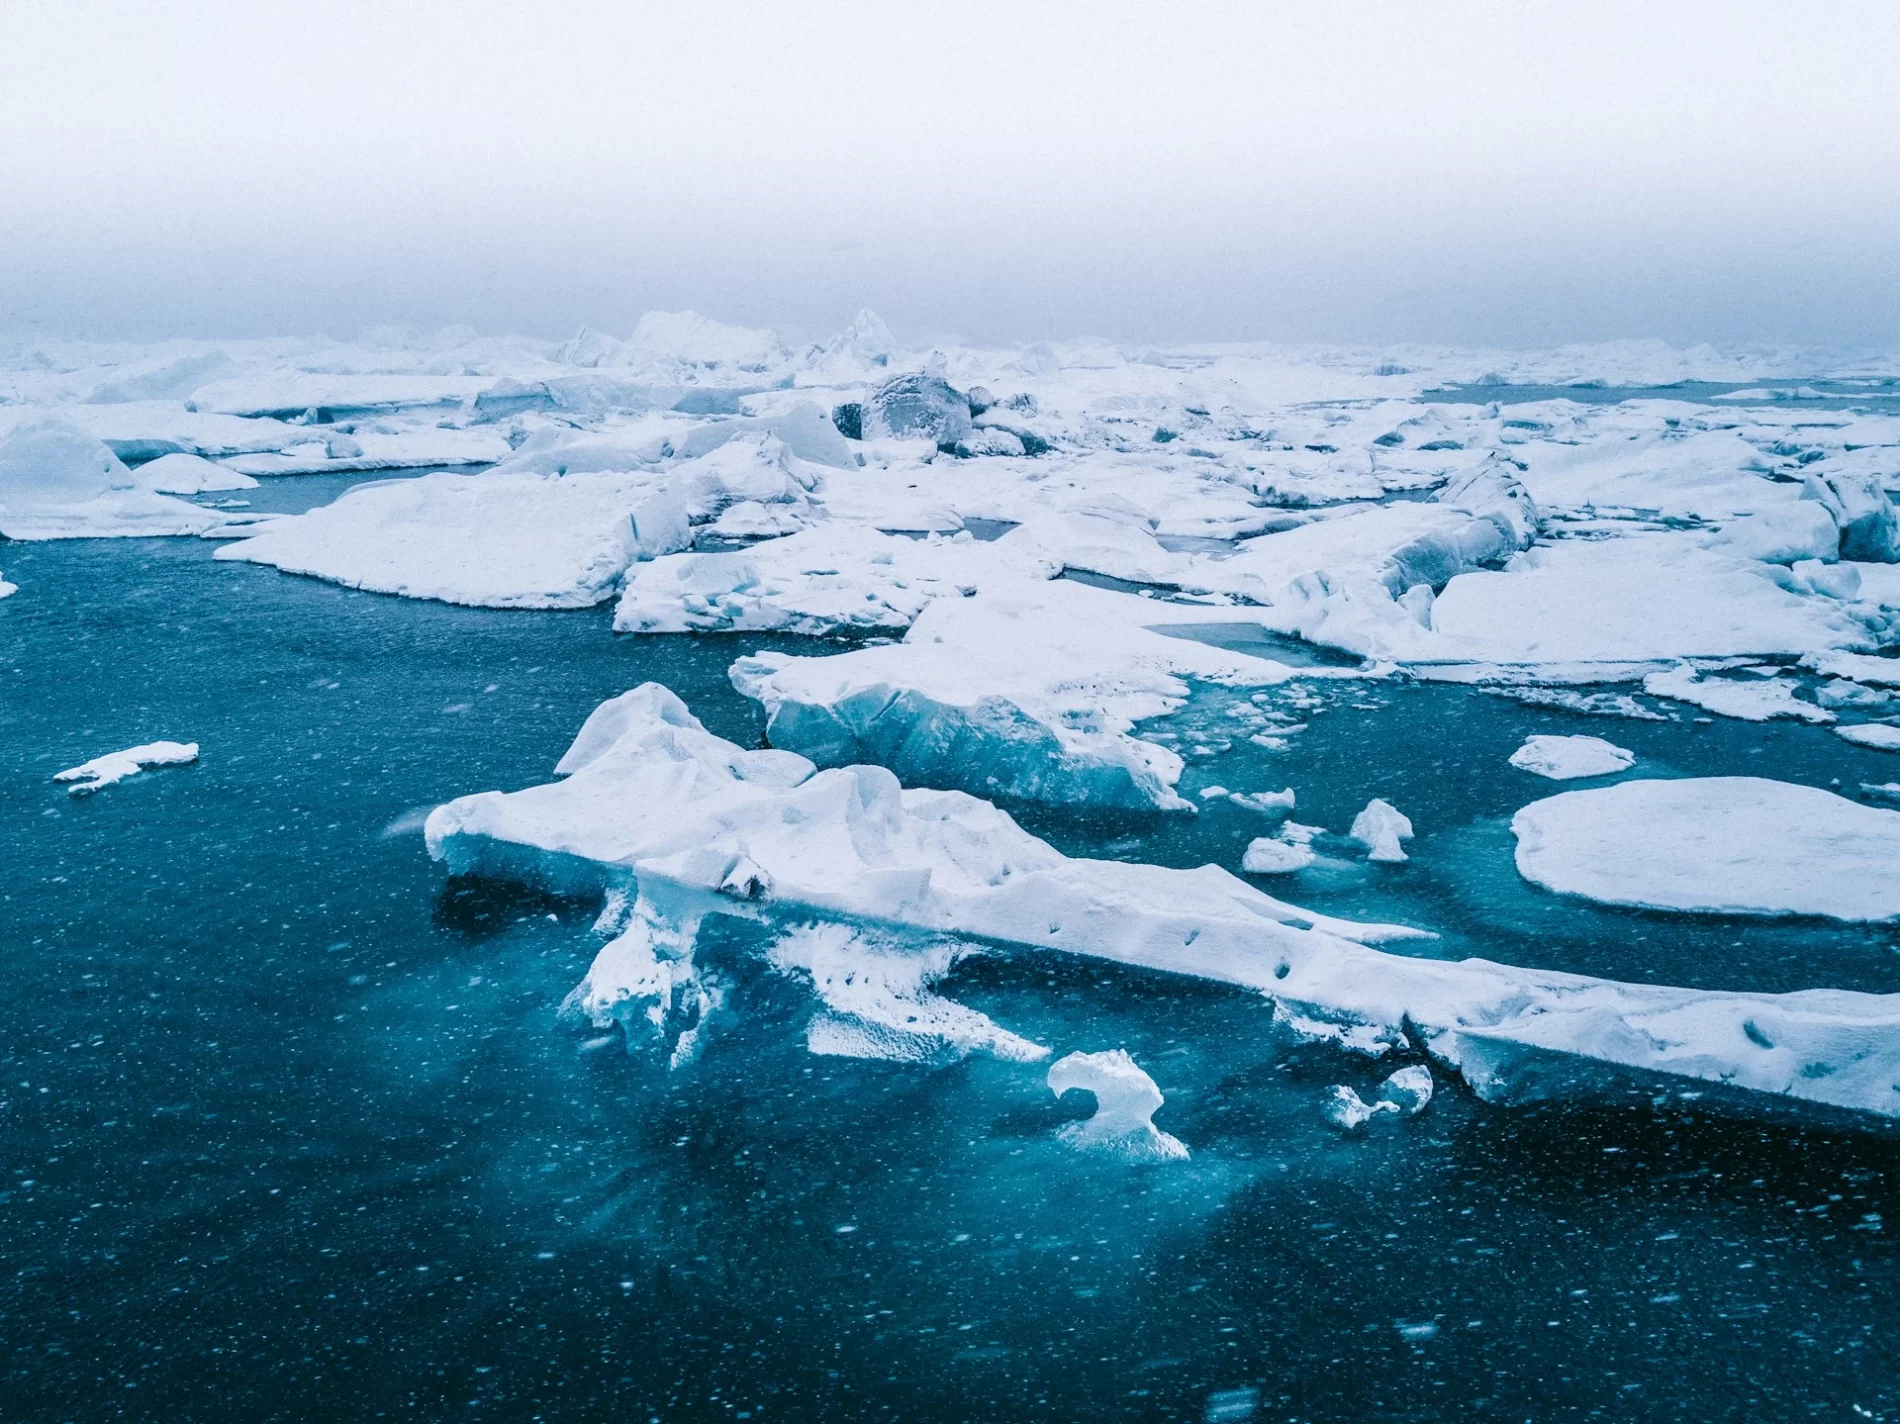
<point>683,824</point>
<point>1380,828</point>
<point>1730,845</point>
<point>1269,855</point>
<point>103,771</point>
<point>58,482</point>
<point>1568,758</point>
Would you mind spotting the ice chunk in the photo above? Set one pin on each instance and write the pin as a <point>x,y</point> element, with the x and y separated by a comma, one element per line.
<point>1872,734</point>
<point>805,431</point>
<point>116,766</point>
<point>669,342</point>
<point>7,590</point>
<point>878,999</point>
<point>1125,1102</point>
<point>1840,581</point>
<point>1860,507</point>
<point>1349,1112</point>
<point>1267,855</point>
<point>1503,520</point>
<point>1272,803</point>
<point>1380,828</point>
<point>918,406</point>
<point>58,482</point>
<point>1757,700</point>
<point>655,800</point>
<point>183,473</point>
<point>1410,1088</point>
<point>1783,534</point>
<point>1567,758</point>
<point>1736,845</point>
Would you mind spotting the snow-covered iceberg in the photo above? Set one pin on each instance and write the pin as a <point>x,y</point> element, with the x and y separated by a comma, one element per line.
<point>682,824</point>
<point>58,482</point>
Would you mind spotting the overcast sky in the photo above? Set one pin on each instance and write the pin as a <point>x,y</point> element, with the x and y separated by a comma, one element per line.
<point>1503,173</point>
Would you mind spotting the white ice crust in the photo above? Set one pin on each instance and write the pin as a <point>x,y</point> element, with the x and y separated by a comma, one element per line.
<point>1738,845</point>
<point>90,776</point>
<point>1566,758</point>
<point>688,825</point>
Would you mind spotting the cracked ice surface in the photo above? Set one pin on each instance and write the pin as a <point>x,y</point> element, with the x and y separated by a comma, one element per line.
<point>696,825</point>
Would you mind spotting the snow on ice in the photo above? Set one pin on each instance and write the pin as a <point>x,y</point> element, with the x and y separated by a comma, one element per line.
<point>1567,758</point>
<point>682,824</point>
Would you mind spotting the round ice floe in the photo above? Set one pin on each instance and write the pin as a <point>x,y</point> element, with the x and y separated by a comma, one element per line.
<point>1872,734</point>
<point>1566,758</point>
<point>1125,1099</point>
<point>1721,845</point>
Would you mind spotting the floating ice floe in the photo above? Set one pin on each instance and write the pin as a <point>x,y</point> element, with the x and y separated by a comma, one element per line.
<point>683,824</point>
<point>1126,1099</point>
<point>7,590</point>
<point>89,777</point>
<point>1738,845</point>
<point>1881,735</point>
<point>58,482</point>
<point>1568,758</point>
<point>1755,700</point>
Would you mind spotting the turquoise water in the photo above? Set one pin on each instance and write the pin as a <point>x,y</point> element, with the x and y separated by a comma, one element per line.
<point>291,1129</point>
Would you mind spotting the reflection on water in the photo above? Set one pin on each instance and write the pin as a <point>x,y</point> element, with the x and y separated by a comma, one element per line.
<point>291,1128</point>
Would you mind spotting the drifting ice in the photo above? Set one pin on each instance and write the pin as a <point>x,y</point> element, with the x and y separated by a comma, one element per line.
<point>116,766</point>
<point>1126,1099</point>
<point>1568,758</point>
<point>658,808</point>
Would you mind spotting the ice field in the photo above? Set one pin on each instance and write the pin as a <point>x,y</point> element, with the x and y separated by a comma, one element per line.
<point>862,881</point>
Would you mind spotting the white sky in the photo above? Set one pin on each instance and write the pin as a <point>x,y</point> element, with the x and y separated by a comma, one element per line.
<point>1511,173</point>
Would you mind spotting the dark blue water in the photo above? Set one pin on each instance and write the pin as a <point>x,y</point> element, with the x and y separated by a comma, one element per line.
<point>290,1129</point>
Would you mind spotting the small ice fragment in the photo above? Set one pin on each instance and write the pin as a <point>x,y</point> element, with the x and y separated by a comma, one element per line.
<point>1228,1406</point>
<point>1349,1112</point>
<point>1872,734</point>
<point>1208,793</point>
<point>1416,1330</point>
<point>1566,758</point>
<point>7,590</point>
<point>1273,803</point>
<point>1267,856</point>
<point>1125,1102</point>
<point>1380,828</point>
<point>1410,1088</point>
<point>116,766</point>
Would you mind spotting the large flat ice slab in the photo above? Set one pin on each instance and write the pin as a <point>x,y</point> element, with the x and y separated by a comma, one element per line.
<point>1736,845</point>
<point>695,825</point>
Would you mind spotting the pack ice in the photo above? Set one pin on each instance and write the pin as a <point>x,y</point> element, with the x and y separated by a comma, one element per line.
<point>681,824</point>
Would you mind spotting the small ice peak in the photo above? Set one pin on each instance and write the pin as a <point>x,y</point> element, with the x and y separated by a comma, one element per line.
<point>1567,758</point>
<point>7,590</point>
<point>116,766</point>
<point>1405,1093</point>
<point>1380,828</point>
<point>1267,855</point>
<point>1125,1102</point>
<point>878,1001</point>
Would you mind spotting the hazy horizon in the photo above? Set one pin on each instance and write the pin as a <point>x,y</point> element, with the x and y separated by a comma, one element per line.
<point>1478,174</point>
